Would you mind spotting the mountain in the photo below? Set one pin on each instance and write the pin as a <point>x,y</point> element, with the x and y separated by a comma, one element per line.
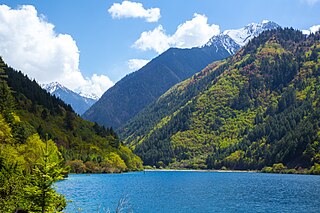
<point>27,111</point>
<point>135,91</point>
<point>233,40</point>
<point>79,102</point>
<point>244,35</point>
<point>258,108</point>
<point>222,41</point>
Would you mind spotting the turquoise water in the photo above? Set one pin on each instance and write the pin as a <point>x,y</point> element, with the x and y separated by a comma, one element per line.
<point>194,192</point>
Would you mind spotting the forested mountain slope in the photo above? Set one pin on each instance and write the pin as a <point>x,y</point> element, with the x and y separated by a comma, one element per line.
<point>255,109</point>
<point>85,146</point>
<point>135,91</point>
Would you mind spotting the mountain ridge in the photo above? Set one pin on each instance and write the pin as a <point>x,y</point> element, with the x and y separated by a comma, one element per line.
<point>135,91</point>
<point>128,96</point>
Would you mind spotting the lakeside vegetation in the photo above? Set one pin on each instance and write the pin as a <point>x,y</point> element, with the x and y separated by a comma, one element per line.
<point>42,139</point>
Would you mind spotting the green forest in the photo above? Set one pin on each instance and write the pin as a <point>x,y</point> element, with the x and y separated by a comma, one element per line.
<point>42,139</point>
<point>257,110</point>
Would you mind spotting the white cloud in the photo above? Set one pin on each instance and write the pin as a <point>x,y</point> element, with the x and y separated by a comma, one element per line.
<point>135,64</point>
<point>310,2</point>
<point>155,39</point>
<point>312,29</point>
<point>30,44</point>
<point>128,9</point>
<point>97,83</point>
<point>192,33</point>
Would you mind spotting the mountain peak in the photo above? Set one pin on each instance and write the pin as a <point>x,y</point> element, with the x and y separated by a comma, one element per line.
<point>243,35</point>
<point>80,102</point>
<point>233,40</point>
<point>224,41</point>
<point>53,86</point>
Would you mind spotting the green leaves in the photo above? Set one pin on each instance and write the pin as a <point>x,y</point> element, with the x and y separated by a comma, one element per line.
<point>27,175</point>
<point>255,109</point>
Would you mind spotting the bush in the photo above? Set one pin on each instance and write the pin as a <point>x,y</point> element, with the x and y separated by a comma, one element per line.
<point>278,168</point>
<point>267,169</point>
<point>315,169</point>
<point>76,166</point>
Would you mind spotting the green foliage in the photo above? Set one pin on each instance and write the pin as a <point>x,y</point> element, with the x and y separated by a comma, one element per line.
<point>28,166</point>
<point>256,109</point>
<point>46,171</point>
<point>12,181</point>
<point>27,177</point>
<point>41,113</point>
<point>315,169</point>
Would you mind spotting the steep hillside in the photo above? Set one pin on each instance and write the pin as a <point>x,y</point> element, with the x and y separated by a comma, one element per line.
<point>127,97</point>
<point>255,109</point>
<point>79,103</point>
<point>131,94</point>
<point>85,146</point>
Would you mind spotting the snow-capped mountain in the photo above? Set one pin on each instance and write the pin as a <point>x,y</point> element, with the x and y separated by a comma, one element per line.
<point>233,40</point>
<point>79,103</point>
<point>223,41</point>
<point>54,86</point>
<point>244,35</point>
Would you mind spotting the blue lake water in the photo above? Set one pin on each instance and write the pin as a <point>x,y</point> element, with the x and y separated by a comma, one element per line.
<point>187,191</point>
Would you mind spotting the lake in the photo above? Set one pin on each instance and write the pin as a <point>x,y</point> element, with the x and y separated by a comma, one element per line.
<point>188,191</point>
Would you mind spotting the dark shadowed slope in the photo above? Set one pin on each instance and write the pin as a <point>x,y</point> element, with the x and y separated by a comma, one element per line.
<point>135,91</point>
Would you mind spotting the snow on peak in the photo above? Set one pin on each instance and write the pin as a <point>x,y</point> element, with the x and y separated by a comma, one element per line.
<point>244,35</point>
<point>232,40</point>
<point>223,41</point>
<point>53,86</point>
<point>87,95</point>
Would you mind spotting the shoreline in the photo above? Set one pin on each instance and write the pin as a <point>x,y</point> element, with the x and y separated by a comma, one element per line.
<point>200,170</point>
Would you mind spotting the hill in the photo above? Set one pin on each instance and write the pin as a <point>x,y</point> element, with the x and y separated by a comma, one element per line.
<point>127,97</point>
<point>258,108</point>
<point>85,146</point>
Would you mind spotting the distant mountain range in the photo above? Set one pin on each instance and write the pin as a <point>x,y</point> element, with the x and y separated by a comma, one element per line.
<point>79,102</point>
<point>137,90</point>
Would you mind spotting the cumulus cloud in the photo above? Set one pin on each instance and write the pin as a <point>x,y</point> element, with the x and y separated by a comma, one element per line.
<point>312,29</point>
<point>97,83</point>
<point>194,32</point>
<point>30,44</point>
<point>155,39</point>
<point>128,9</point>
<point>135,64</point>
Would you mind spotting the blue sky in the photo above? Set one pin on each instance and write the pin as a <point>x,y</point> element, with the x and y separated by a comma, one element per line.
<point>108,34</point>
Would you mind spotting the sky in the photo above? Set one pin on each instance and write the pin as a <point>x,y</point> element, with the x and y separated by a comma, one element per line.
<point>89,45</point>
